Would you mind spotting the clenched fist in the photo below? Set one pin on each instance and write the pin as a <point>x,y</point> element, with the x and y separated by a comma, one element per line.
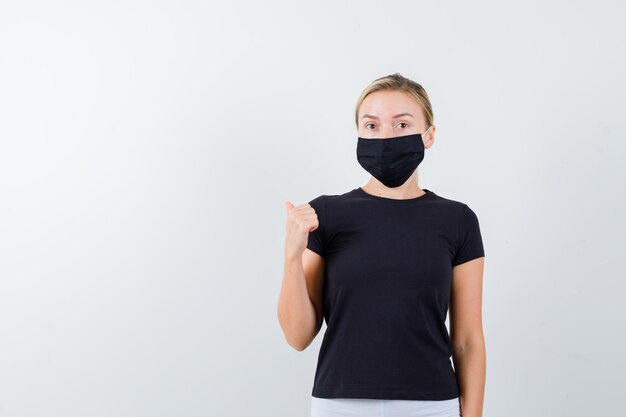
<point>301,220</point>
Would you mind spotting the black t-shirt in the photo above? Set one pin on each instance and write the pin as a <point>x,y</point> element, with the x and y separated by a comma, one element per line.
<point>387,283</point>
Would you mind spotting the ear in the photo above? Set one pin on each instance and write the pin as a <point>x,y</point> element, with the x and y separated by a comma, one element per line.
<point>429,139</point>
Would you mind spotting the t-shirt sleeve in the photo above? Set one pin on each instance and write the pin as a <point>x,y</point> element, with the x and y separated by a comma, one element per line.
<point>469,238</point>
<point>317,238</point>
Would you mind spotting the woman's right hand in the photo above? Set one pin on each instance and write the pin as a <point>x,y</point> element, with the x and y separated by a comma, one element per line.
<point>301,220</point>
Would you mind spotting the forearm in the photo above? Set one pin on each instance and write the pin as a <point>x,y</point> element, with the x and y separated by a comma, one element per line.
<point>296,312</point>
<point>470,367</point>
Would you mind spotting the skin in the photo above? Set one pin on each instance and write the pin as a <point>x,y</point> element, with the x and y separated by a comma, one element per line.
<point>300,311</point>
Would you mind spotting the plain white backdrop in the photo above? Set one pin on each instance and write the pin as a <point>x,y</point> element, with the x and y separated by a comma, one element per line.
<point>147,149</point>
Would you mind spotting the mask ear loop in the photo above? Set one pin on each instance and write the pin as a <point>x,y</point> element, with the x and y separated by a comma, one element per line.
<point>425,133</point>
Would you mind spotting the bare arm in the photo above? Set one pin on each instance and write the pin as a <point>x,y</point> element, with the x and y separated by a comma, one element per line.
<point>300,312</point>
<point>466,333</point>
<point>300,304</point>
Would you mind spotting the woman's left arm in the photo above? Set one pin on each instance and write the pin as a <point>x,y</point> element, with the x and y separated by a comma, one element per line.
<point>466,334</point>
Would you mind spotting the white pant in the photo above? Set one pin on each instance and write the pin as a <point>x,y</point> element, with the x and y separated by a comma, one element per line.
<point>360,407</point>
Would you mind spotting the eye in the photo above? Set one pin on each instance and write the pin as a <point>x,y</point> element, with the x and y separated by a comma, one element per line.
<point>402,123</point>
<point>367,124</point>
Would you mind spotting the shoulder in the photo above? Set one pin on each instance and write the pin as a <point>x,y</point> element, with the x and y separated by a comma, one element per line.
<point>451,206</point>
<point>324,200</point>
<point>456,212</point>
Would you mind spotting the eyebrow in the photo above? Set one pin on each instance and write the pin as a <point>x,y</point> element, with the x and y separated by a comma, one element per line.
<point>396,116</point>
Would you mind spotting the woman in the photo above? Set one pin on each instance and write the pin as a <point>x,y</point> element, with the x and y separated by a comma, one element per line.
<point>382,264</point>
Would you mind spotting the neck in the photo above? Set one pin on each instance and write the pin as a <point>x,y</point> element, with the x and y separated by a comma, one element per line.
<point>410,189</point>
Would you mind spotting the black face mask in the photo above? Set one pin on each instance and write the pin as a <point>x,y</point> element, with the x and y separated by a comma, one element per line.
<point>391,160</point>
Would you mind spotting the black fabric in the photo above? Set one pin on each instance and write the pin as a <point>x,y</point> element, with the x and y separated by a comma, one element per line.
<point>387,282</point>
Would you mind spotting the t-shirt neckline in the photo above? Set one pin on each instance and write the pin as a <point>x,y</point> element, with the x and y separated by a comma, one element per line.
<point>427,196</point>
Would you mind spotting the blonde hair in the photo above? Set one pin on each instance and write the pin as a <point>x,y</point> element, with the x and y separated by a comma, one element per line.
<point>398,83</point>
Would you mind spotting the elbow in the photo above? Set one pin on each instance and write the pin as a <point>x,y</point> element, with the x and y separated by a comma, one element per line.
<point>298,345</point>
<point>297,342</point>
<point>466,344</point>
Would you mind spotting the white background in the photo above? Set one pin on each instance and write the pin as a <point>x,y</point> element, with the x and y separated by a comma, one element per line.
<point>147,149</point>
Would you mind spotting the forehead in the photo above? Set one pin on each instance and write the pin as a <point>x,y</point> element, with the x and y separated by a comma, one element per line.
<point>387,103</point>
